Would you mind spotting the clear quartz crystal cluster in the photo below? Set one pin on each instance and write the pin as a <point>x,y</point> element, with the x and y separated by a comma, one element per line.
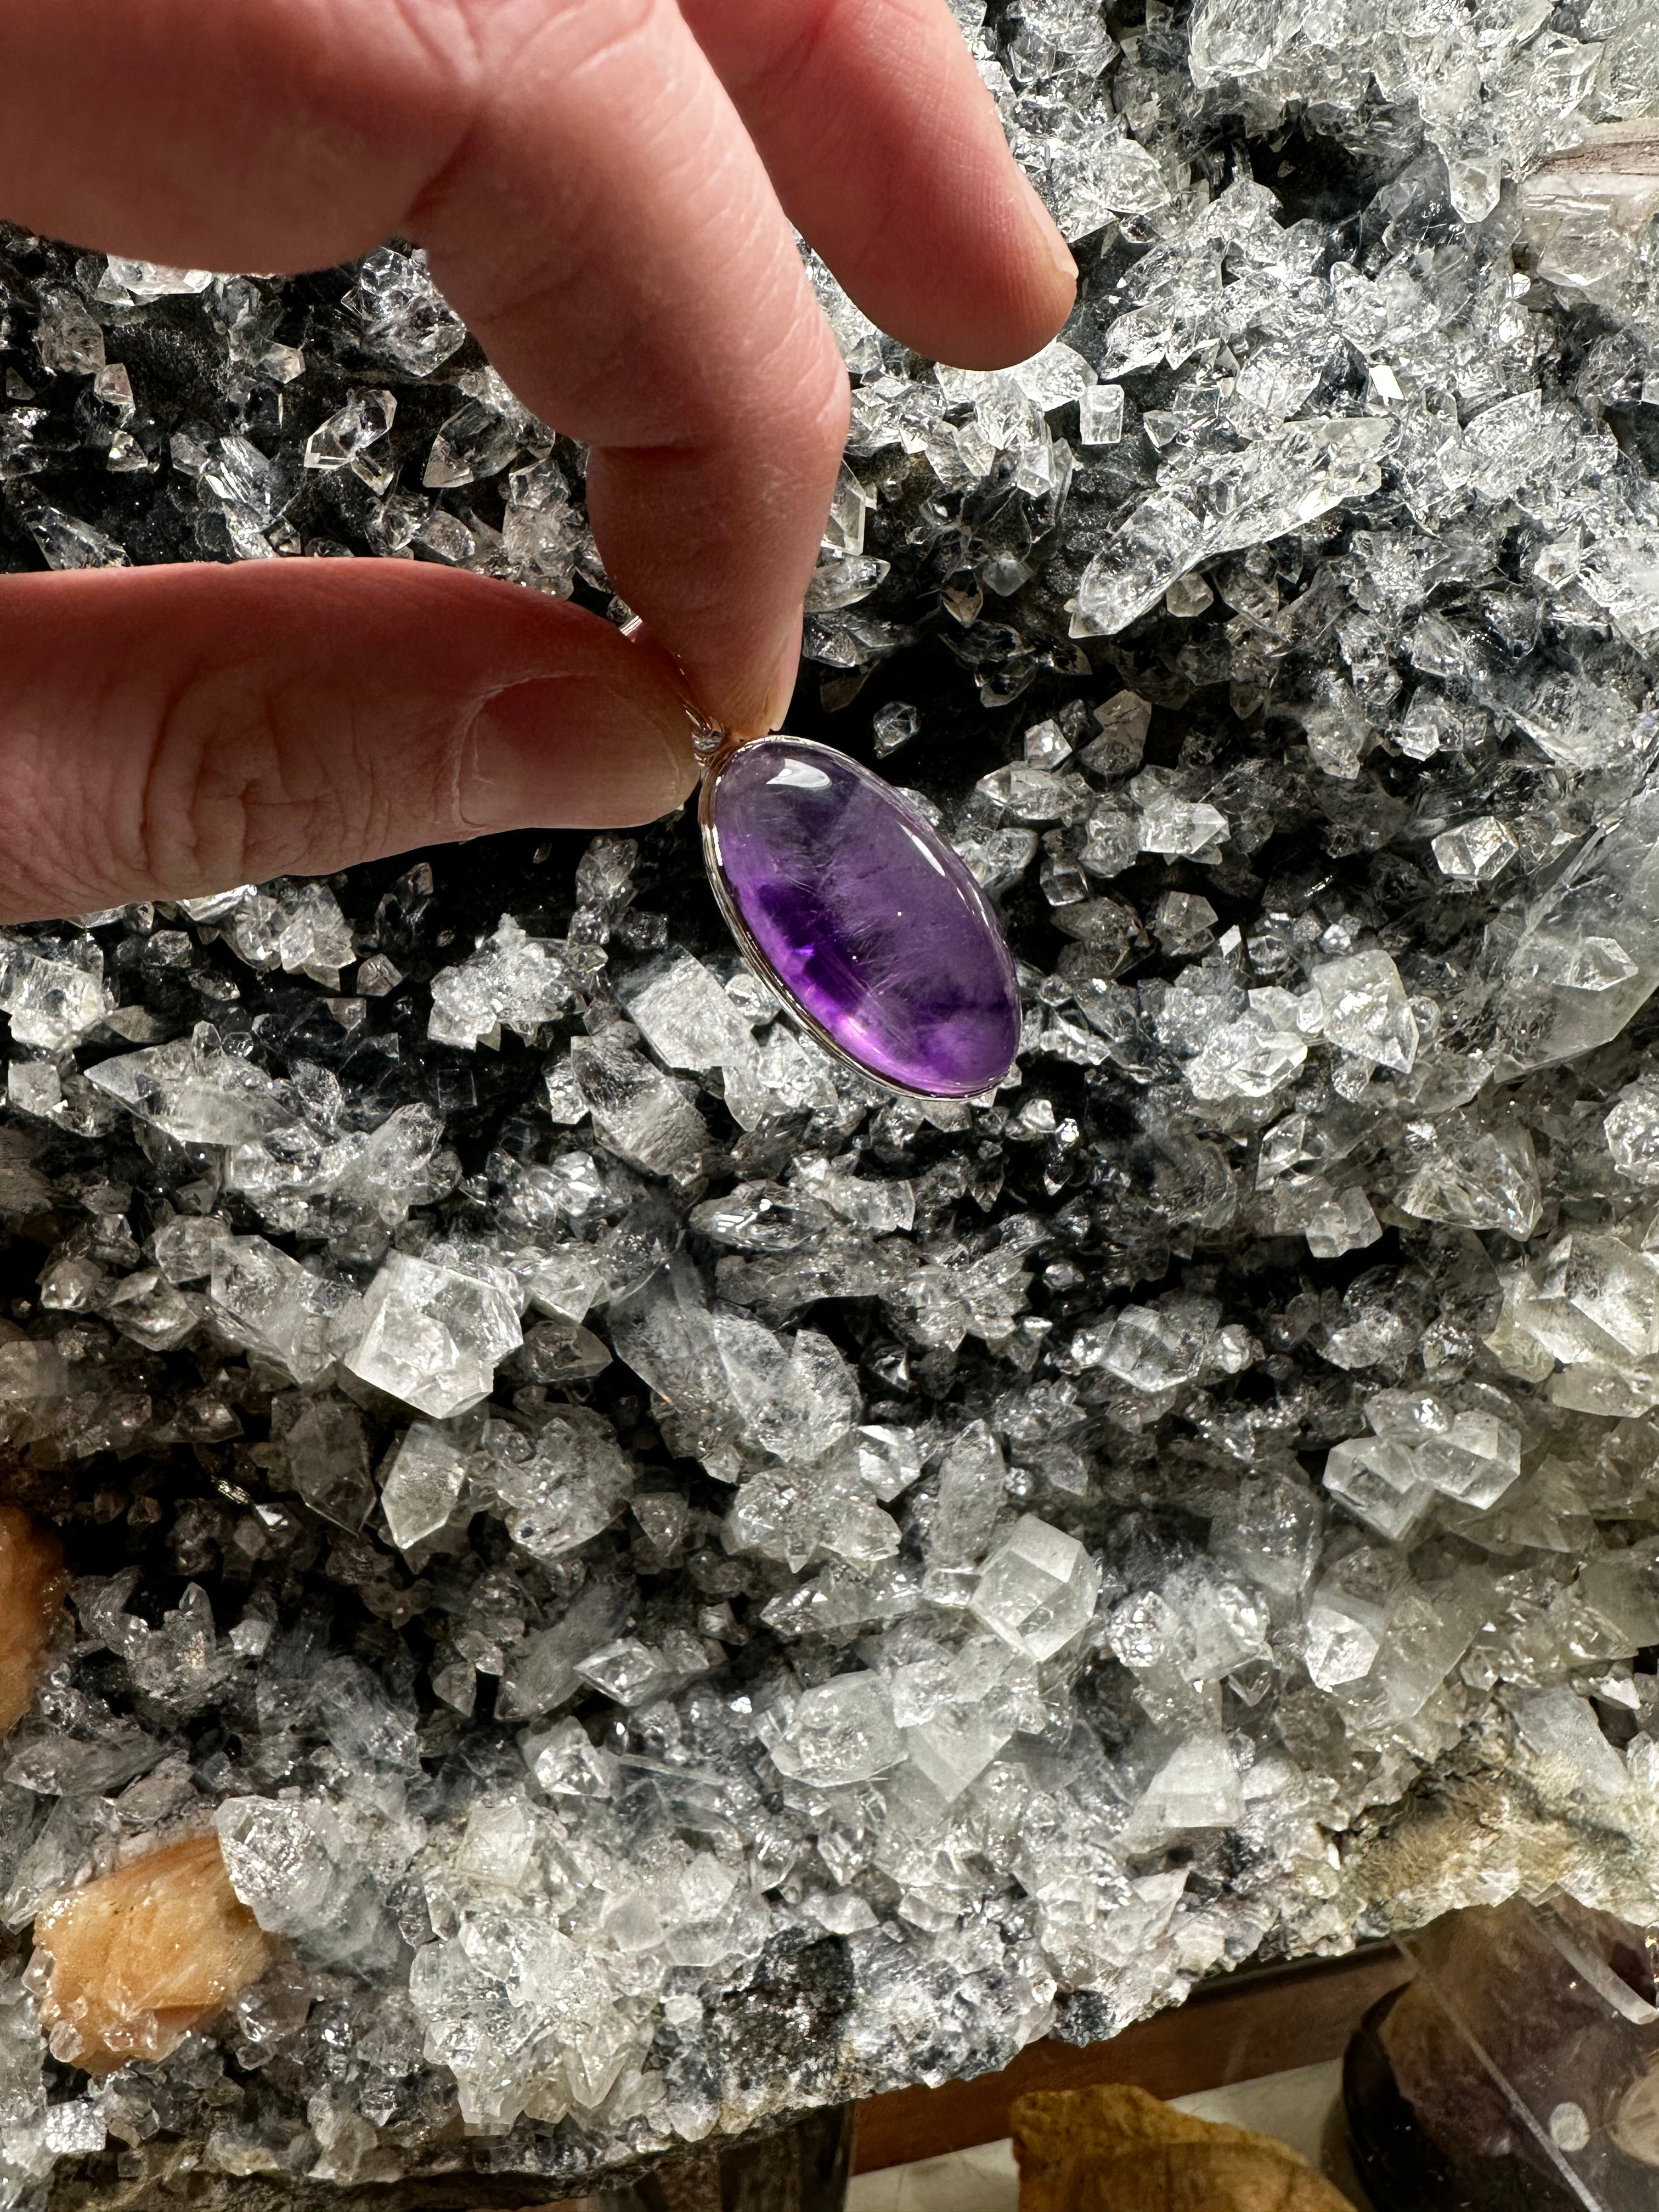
<point>685,1586</point>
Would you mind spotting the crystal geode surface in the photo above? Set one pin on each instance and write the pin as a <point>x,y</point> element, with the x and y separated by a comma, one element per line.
<point>684,1587</point>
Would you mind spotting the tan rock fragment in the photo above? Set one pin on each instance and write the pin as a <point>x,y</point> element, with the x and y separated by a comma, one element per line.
<point>142,1955</point>
<point>31,1586</point>
<point>1113,2148</point>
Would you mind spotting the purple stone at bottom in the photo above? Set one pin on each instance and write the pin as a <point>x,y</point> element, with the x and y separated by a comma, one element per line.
<point>863,914</point>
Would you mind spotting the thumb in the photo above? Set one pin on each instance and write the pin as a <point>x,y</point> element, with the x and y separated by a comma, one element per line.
<point>168,731</point>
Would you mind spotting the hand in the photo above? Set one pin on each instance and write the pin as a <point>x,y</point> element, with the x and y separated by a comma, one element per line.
<point>605,188</point>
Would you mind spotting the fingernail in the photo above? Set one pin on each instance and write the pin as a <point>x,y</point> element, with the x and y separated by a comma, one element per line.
<point>1046,231</point>
<point>575,753</point>
<point>782,690</point>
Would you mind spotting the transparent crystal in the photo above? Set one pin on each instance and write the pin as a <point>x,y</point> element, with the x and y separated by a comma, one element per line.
<point>513,981</point>
<point>400,315</point>
<point>1476,1178</point>
<point>1475,851</point>
<point>1197,1787</point>
<point>423,1484</point>
<point>1100,414</point>
<point>1171,824</point>
<point>637,1109</point>
<point>194,1090</point>
<point>262,1299</point>
<point>54,993</point>
<point>842,1732</point>
<point>1038,1589</point>
<point>561,1483</point>
<point>895,725</point>
<point>1364,1010</point>
<point>433,1337</point>
<point>686,1018</point>
<point>351,430</point>
<point>1631,1129</point>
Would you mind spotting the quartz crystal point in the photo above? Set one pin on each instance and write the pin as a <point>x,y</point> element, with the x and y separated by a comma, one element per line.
<point>848,899</point>
<point>140,1956</point>
<point>31,1586</point>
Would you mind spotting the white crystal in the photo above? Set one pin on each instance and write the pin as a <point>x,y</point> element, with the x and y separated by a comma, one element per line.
<point>1560,1729</point>
<point>1100,414</point>
<point>513,981</point>
<point>685,1017</point>
<point>1038,1589</point>
<point>1631,1129</point>
<point>1363,1009</point>
<point>194,1090</point>
<point>433,1337</point>
<point>1476,850</point>
<point>839,1733</point>
<point>1196,1787</point>
<point>561,1482</point>
<point>1169,824</point>
<point>265,1300</point>
<point>1344,1224</point>
<point>636,1109</point>
<point>75,2128</point>
<point>420,1490</point>
<point>512,2009</point>
<point>351,430</point>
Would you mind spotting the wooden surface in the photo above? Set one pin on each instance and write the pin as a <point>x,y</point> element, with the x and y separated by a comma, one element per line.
<point>1262,2023</point>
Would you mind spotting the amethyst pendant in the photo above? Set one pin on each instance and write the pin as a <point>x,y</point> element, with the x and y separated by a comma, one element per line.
<point>851,907</point>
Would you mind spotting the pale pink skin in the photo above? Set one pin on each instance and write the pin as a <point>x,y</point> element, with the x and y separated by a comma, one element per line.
<point>605,188</point>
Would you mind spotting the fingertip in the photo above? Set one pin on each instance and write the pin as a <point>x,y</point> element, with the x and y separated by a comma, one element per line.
<point>582,748</point>
<point>1026,289</point>
<point>1033,299</point>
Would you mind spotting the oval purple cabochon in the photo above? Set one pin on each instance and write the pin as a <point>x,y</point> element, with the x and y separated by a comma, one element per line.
<point>866,916</point>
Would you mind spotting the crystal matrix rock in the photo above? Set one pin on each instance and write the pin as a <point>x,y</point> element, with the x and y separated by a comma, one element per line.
<point>1054,1544</point>
<point>865,915</point>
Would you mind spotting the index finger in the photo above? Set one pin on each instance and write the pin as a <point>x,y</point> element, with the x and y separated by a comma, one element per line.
<point>610,231</point>
<point>886,148</point>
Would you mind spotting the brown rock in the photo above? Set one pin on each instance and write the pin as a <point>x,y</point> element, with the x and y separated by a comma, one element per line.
<point>31,1586</point>
<point>144,1955</point>
<point>1113,2148</point>
<point>1200,2177</point>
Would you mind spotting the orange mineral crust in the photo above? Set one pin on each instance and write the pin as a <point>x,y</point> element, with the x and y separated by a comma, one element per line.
<point>31,1586</point>
<point>144,1955</point>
